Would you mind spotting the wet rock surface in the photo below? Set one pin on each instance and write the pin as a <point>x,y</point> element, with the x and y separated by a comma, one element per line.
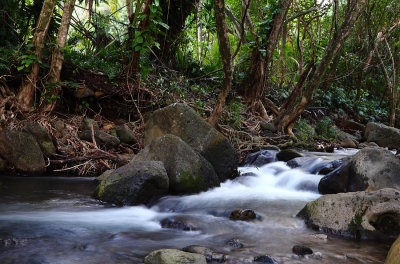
<point>235,243</point>
<point>265,259</point>
<point>301,250</point>
<point>261,158</point>
<point>242,215</point>
<point>369,169</point>
<point>288,154</point>
<point>179,224</point>
<point>174,256</point>
<point>382,135</point>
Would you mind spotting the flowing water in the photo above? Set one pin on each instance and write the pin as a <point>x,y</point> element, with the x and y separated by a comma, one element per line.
<point>55,220</point>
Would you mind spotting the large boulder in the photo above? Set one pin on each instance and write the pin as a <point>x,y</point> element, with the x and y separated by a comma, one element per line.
<point>366,215</point>
<point>21,151</point>
<point>393,256</point>
<point>382,135</point>
<point>182,121</point>
<point>138,182</point>
<point>369,169</point>
<point>42,137</point>
<point>187,170</point>
<point>174,256</point>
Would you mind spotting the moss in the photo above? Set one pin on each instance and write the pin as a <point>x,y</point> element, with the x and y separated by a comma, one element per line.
<point>190,182</point>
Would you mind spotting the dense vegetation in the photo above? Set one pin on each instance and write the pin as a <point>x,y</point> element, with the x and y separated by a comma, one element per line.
<point>280,60</point>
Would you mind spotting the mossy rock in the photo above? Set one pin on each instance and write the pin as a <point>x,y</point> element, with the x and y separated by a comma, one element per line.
<point>182,121</point>
<point>382,135</point>
<point>174,256</point>
<point>138,182</point>
<point>365,215</point>
<point>21,150</point>
<point>102,138</point>
<point>187,170</point>
<point>87,124</point>
<point>125,135</point>
<point>42,137</point>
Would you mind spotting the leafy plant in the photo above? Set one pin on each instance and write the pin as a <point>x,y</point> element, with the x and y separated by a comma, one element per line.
<point>326,128</point>
<point>304,130</point>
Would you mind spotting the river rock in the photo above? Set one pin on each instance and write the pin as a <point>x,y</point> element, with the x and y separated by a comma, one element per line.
<point>102,138</point>
<point>369,169</point>
<point>382,135</point>
<point>182,121</point>
<point>235,243</point>
<point>21,151</point>
<point>209,254</point>
<point>173,256</point>
<point>265,259</point>
<point>348,143</point>
<point>288,154</point>
<point>328,167</point>
<point>352,125</point>
<point>178,223</point>
<point>125,135</point>
<point>243,215</point>
<point>87,124</point>
<point>187,170</point>
<point>366,214</point>
<point>301,250</point>
<point>42,137</point>
<point>260,158</point>
<point>138,182</point>
<point>393,256</point>
<point>367,144</point>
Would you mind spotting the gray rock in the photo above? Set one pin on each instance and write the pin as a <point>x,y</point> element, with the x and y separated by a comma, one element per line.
<point>87,124</point>
<point>288,154</point>
<point>235,243</point>
<point>369,169</point>
<point>260,158</point>
<point>243,215</point>
<point>102,138</point>
<point>138,182</point>
<point>178,223</point>
<point>187,170</point>
<point>21,151</point>
<point>173,256</point>
<point>367,144</point>
<point>393,256</point>
<point>209,254</point>
<point>352,125</point>
<point>182,121</point>
<point>42,137</point>
<point>367,215</point>
<point>301,250</point>
<point>265,259</point>
<point>382,135</point>
<point>348,143</point>
<point>125,135</point>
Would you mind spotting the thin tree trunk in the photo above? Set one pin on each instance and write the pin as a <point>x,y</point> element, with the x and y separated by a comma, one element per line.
<point>133,67</point>
<point>27,92</point>
<point>54,91</point>
<point>289,115</point>
<point>225,52</point>
<point>255,88</point>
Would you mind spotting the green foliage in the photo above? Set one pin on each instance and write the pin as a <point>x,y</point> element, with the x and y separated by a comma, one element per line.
<point>304,130</point>
<point>235,109</point>
<point>326,129</point>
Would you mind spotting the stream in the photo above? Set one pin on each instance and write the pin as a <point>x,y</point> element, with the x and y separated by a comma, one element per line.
<point>47,220</point>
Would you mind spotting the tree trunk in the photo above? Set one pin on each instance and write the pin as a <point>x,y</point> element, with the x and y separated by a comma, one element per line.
<point>133,67</point>
<point>27,92</point>
<point>226,55</point>
<point>259,66</point>
<point>53,92</point>
<point>297,104</point>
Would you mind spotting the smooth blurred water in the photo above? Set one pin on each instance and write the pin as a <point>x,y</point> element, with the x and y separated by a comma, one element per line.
<point>55,220</point>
